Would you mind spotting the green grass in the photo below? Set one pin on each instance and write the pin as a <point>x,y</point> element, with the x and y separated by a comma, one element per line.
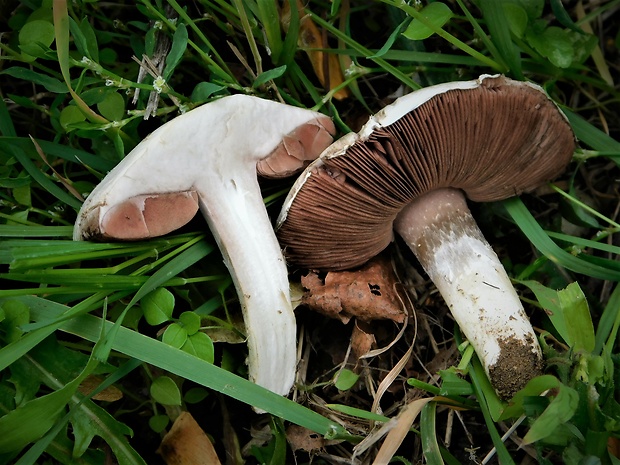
<point>76,311</point>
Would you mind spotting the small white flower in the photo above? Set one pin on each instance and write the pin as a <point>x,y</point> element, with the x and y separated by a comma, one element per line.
<point>109,82</point>
<point>158,84</point>
<point>85,60</point>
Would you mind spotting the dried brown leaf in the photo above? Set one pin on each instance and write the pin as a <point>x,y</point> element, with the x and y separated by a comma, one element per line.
<point>300,438</point>
<point>109,394</point>
<point>187,444</point>
<point>368,293</point>
<point>362,339</point>
<point>326,66</point>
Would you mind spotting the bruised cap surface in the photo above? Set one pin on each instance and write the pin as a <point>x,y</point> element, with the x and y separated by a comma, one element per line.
<point>298,148</point>
<point>493,138</point>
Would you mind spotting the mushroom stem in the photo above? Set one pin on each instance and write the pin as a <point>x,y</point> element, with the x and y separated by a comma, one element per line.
<point>233,207</point>
<point>441,232</point>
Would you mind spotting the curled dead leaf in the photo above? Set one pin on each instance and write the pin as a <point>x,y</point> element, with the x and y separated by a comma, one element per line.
<point>362,339</point>
<point>369,293</point>
<point>109,394</point>
<point>187,444</point>
<point>300,438</point>
<point>326,66</point>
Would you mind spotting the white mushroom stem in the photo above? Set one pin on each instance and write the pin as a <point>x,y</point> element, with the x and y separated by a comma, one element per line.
<point>439,229</point>
<point>241,227</point>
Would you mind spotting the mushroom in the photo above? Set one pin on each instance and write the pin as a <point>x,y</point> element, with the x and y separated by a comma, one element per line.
<point>410,168</point>
<point>208,158</point>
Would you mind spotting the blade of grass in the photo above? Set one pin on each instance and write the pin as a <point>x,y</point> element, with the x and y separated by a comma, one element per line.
<point>15,350</point>
<point>189,367</point>
<point>270,19</point>
<point>587,243</point>
<point>366,52</point>
<point>502,452</point>
<point>40,177</point>
<point>61,31</point>
<point>607,329</point>
<point>484,60</point>
<point>35,231</point>
<point>592,136</point>
<point>428,433</point>
<point>98,418</point>
<point>95,162</point>
<point>497,22</point>
<point>530,227</point>
<point>6,124</point>
<point>220,68</point>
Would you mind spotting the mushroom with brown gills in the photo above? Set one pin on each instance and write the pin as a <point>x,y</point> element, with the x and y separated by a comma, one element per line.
<point>208,158</point>
<point>409,169</point>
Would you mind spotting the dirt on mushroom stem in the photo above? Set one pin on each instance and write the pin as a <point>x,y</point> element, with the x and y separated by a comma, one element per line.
<point>442,234</point>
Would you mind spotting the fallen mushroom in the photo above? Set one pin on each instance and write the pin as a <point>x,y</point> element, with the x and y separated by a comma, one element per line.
<point>208,159</point>
<point>410,168</point>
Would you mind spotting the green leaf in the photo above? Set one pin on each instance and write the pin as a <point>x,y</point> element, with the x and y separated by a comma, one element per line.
<point>517,18</point>
<point>609,324</point>
<point>190,321</point>
<point>201,346</point>
<point>112,106</point>
<point>157,306</point>
<point>158,423</point>
<point>6,124</point>
<point>30,421</point>
<point>391,39</point>
<point>71,115</point>
<point>51,84</point>
<point>90,39</point>
<point>357,412</point>
<point>563,17</point>
<point>345,380</point>
<point>436,13</point>
<point>533,388</point>
<point>39,176</point>
<point>268,76</point>
<point>165,391</point>
<point>560,410</point>
<point>554,44</point>
<point>36,37</point>
<point>541,240</point>
<point>54,365</point>
<point>270,19</point>
<point>577,317</point>
<point>534,8</point>
<point>204,90</point>
<point>195,395</point>
<point>452,384</point>
<point>591,135</point>
<point>568,311</point>
<point>16,313</point>
<point>23,195</point>
<point>91,420</point>
<point>583,45</point>
<point>175,336</point>
<point>179,45</point>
